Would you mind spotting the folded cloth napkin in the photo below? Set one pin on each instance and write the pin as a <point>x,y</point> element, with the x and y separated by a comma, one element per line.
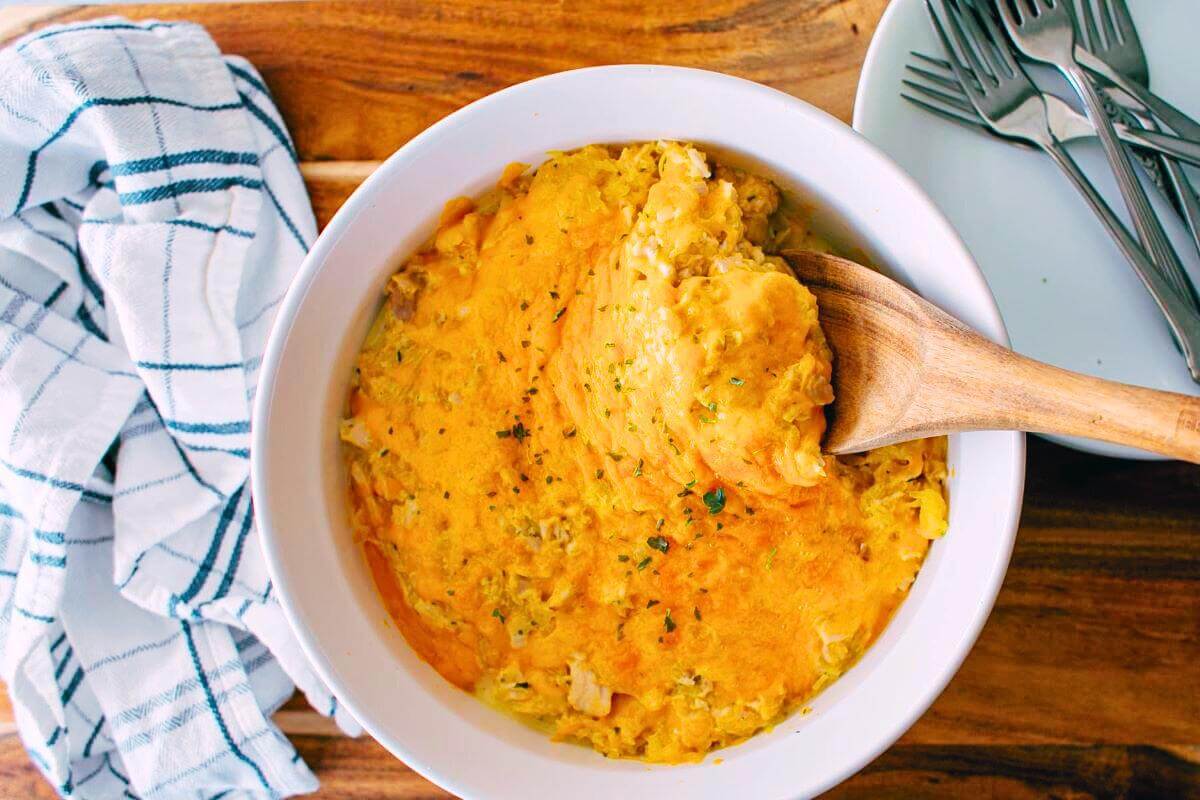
<point>152,214</point>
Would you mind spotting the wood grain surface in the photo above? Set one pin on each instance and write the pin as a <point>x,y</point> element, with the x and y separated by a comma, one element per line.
<point>1086,680</point>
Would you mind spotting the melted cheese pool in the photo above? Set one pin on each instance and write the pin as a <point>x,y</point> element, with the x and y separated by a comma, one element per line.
<point>583,447</point>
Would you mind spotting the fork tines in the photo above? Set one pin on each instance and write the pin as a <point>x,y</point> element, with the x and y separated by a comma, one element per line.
<point>935,89</point>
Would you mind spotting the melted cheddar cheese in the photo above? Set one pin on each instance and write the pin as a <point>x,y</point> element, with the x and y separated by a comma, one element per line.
<point>583,445</point>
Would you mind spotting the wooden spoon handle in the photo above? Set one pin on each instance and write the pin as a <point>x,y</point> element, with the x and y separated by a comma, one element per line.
<point>997,389</point>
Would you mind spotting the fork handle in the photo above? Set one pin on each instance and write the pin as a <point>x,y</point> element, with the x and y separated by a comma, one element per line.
<point>1171,116</point>
<point>1182,195</point>
<point>1170,179</point>
<point>1189,203</point>
<point>1182,319</point>
<point>1148,228</point>
<point>1174,146</point>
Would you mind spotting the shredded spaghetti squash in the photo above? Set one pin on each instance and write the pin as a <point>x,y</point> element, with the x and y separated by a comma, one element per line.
<point>583,447</point>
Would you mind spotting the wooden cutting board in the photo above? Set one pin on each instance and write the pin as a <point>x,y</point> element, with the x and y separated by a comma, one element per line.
<point>1086,680</point>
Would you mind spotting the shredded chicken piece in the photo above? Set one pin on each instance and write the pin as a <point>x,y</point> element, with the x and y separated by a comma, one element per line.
<point>402,291</point>
<point>587,695</point>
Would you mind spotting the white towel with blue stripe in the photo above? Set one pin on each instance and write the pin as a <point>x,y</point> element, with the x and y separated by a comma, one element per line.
<point>152,214</point>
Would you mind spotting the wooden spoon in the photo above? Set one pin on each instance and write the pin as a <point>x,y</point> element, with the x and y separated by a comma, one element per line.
<point>903,369</point>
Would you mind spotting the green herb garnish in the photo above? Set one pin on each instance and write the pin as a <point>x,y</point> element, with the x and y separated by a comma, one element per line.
<point>668,623</point>
<point>736,381</point>
<point>658,543</point>
<point>715,500</point>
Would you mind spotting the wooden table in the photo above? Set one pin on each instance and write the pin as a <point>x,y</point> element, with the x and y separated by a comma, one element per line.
<point>1086,680</point>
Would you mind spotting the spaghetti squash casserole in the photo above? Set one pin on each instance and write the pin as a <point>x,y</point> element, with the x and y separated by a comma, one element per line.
<point>583,446</point>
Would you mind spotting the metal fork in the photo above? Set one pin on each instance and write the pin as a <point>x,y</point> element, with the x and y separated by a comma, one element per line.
<point>1013,107</point>
<point>1044,31</point>
<point>933,88</point>
<point>1120,48</point>
<point>1122,63</point>
<point>945,97</point>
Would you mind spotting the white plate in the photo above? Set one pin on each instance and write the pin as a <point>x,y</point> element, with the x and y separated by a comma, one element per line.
<point>1066,294</point>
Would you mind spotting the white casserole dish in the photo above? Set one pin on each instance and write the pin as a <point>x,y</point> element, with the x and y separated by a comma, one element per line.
<point>449,736</point>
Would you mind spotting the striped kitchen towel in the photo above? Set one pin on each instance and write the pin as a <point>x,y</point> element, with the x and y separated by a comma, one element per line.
<point>152,214</point>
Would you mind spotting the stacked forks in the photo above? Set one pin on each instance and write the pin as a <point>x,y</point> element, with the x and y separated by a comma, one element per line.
<point>1096,48</point>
